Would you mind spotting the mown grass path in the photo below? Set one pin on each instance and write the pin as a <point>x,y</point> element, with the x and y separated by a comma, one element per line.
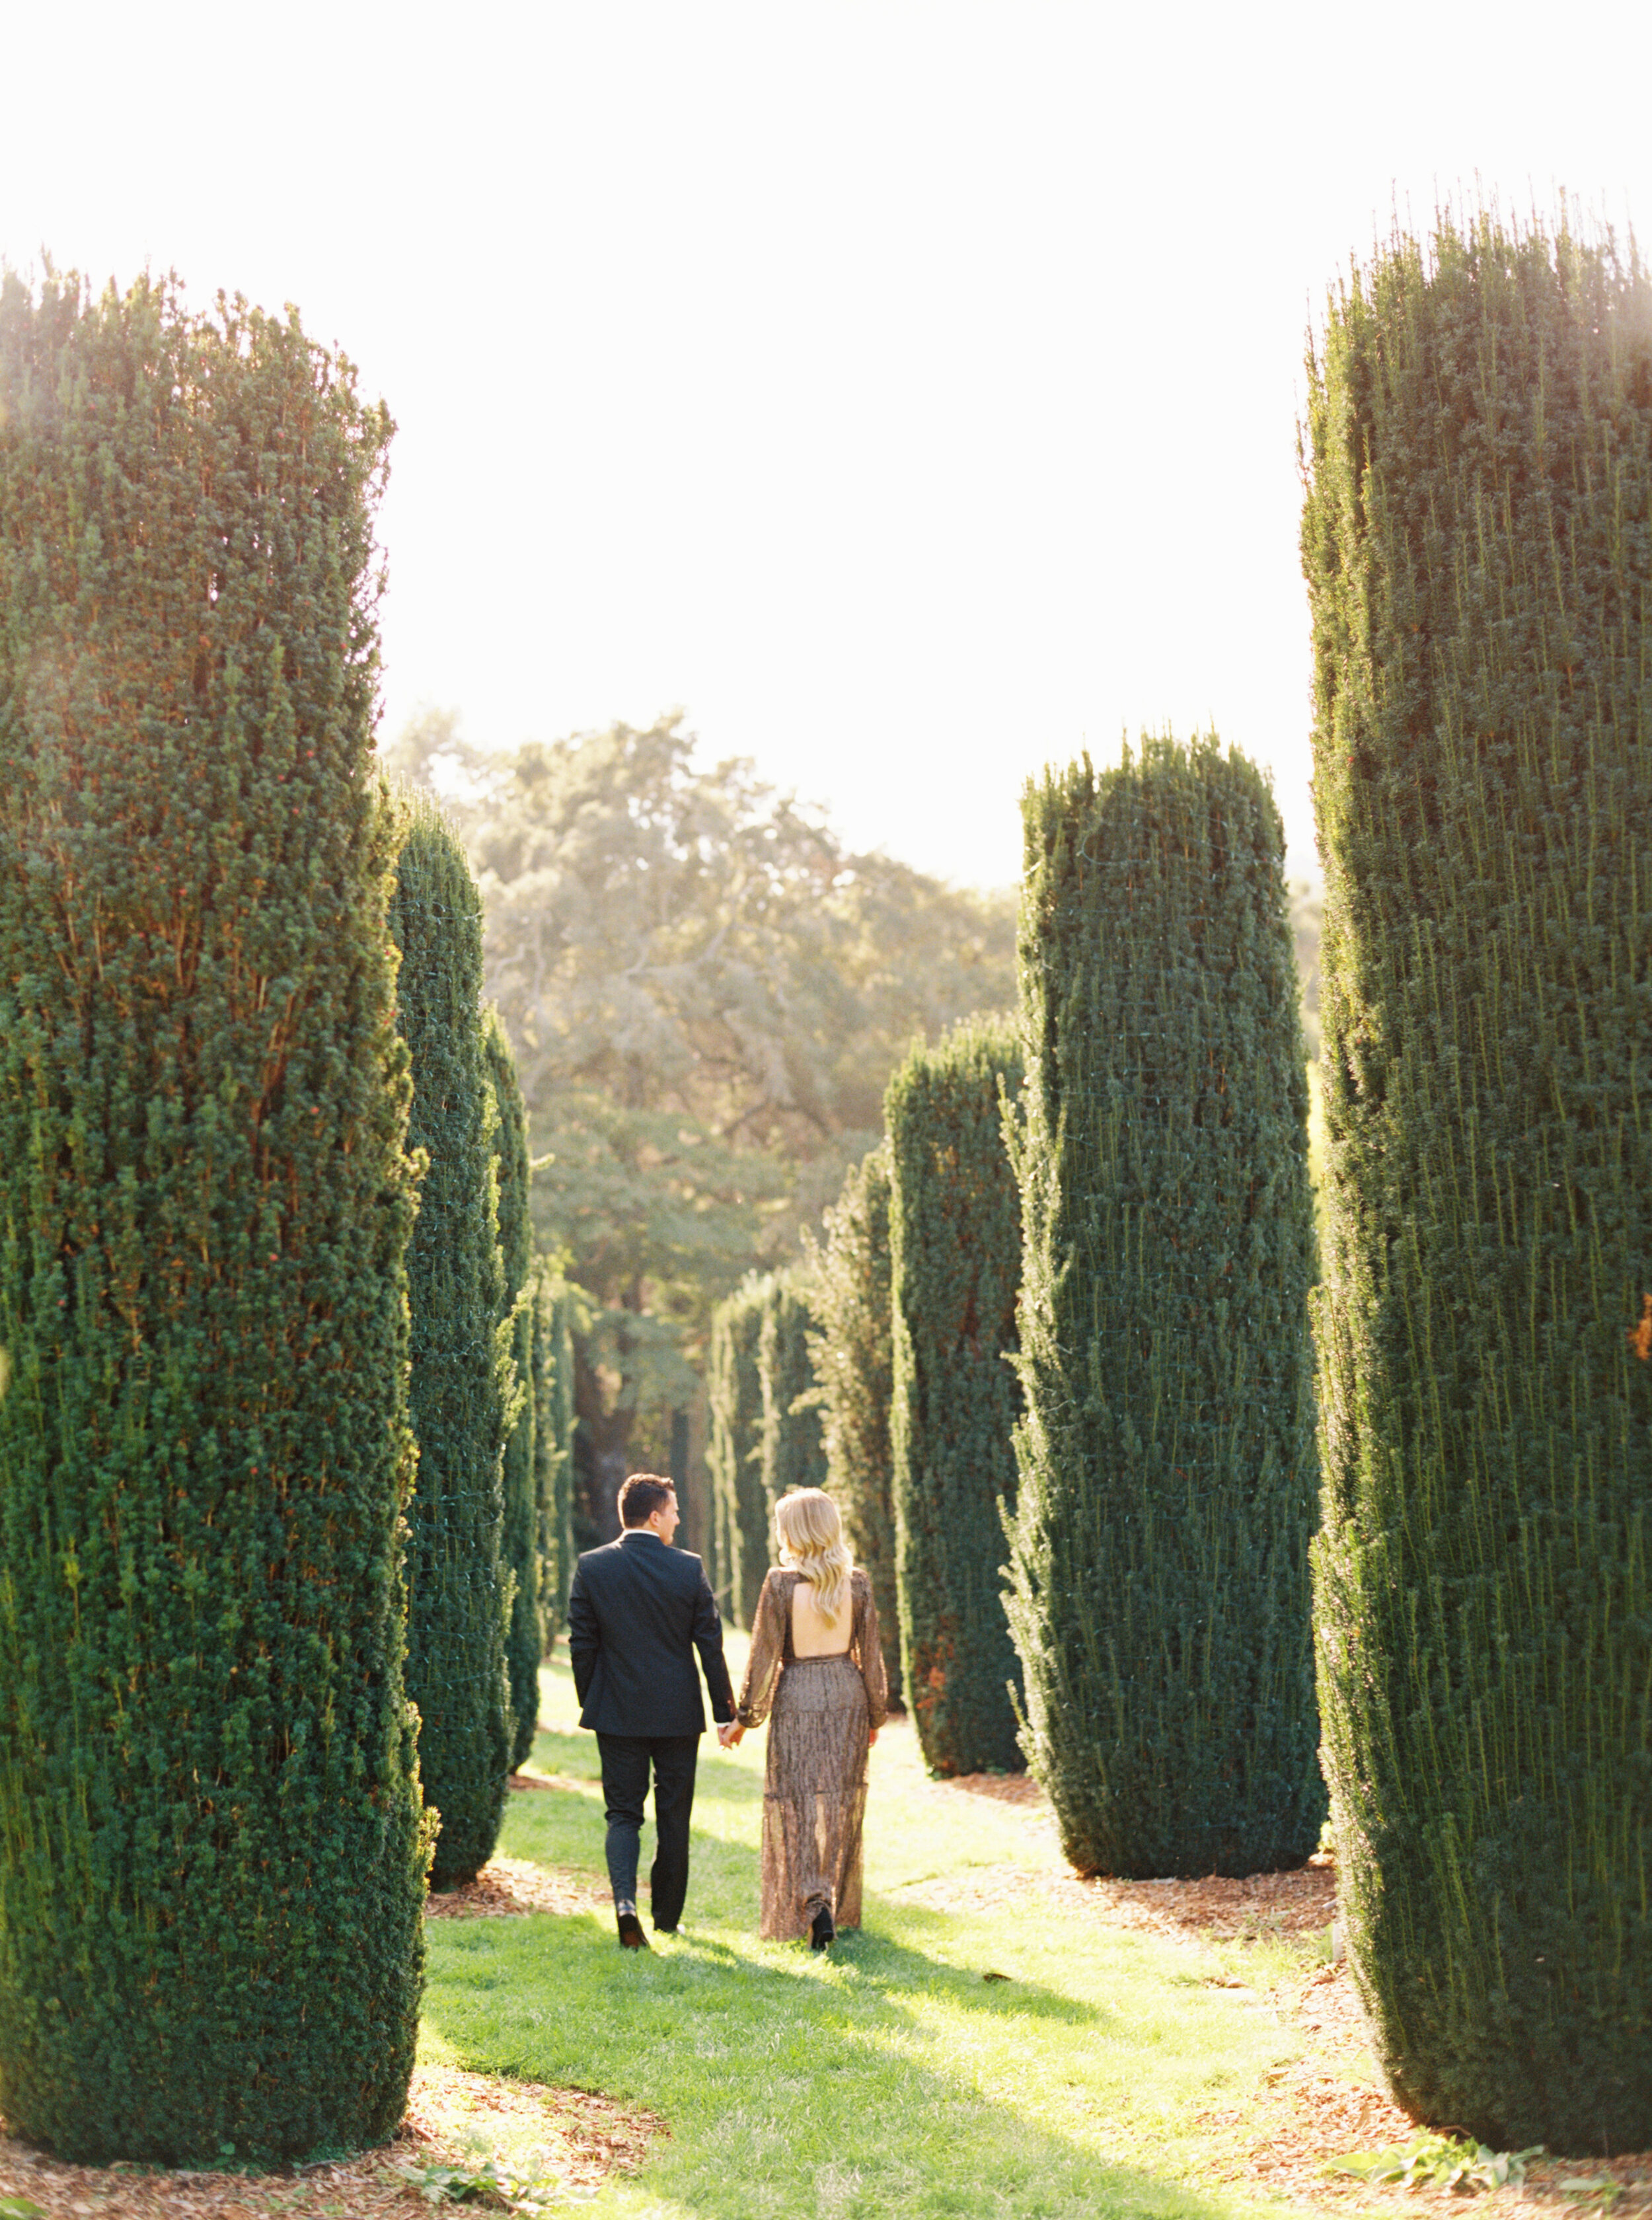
<point>888,2078</point>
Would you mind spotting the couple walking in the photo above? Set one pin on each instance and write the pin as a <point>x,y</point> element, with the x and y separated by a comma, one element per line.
<point>637,1612</point>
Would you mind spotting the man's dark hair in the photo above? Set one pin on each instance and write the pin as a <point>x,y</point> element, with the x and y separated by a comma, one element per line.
<point>641,1496</point>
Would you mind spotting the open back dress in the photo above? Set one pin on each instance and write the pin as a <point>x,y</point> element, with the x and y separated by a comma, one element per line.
<point>819,1711</point>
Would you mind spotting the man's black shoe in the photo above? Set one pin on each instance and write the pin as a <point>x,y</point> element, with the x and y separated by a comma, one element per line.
<point>630,1935</point>
<point>822,1933</point>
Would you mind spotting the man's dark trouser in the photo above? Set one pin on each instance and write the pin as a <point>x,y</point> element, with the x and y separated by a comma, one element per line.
<point>625,1760</point>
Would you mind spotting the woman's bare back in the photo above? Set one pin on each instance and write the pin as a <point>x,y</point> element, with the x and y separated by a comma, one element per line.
<point>814,1637</point>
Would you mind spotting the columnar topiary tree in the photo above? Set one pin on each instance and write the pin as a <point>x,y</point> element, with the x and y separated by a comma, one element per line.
<point>794,1450</point>
<point>734,1389</point>
<point>1168,1479</point>
<point>461,1397</point>
<point>955,1238</point>
<point>519,1547</point>
<point>1478,543</point>
<point>552,1375</point>
<point>211,1852</point>
<point>850,1350</point>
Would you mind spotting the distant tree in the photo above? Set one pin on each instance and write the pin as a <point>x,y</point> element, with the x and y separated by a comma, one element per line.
<point>794,1451</point>
<point>955,1237</point>
<point>211,1852</point>
<point>519,1548</point>
<point>850,1351</point>
<point>735,1389</point>
<point>461,1398</point>
<point>555,1306</point>
<point>705,991</point>
<point>1169,1476</point>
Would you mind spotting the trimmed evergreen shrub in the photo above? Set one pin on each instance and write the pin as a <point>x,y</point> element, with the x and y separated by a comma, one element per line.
<point>1167,1468</point>
<point>734,1389</point>
<point>1477,544</point>
<point>853,1364</point>
<point>552,1374</point>
<point>211,1853</point>
<point>794,1448</point>
<point>461,1395</point>
<point>519,1547</point>
<point>955,1241</point>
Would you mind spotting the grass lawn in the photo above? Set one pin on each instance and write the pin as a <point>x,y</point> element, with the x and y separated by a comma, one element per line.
<point>889,2077</point>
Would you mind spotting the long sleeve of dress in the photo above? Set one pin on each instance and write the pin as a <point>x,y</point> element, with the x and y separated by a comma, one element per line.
<point>869,1656</point>
<point>768,1650</point>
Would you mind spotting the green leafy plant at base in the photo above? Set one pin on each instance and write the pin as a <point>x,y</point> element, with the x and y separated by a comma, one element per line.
<point>852,1358</point>
<point>485,2177</point>
<point>462,1400</point>
<point>1443,2162</point>
<point>1167,1468</point>
<point>1477,544</point>
<point>211,1851</point>
<point>794,1448</point>
<point>955,1239</point>
<point>519,1546</point>
<point>734,1389</point>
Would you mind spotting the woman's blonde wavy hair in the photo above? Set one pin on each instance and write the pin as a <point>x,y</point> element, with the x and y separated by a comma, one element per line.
<point>812,1543</point>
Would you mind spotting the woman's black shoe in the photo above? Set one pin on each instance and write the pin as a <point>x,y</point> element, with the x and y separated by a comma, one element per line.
<point>630,1935</point>
<point>822,1934</point>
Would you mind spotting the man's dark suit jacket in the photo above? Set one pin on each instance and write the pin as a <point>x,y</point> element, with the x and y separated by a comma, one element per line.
<point>636,1613</point>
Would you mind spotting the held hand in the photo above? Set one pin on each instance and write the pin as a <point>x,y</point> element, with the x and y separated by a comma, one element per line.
<point>871,1736</point>
<point>729,1734</point>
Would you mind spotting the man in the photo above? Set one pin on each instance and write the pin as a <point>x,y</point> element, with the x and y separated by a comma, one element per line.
<point>637,1612</point>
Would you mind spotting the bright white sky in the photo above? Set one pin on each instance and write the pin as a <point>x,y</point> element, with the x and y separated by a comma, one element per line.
<point>906,391</point>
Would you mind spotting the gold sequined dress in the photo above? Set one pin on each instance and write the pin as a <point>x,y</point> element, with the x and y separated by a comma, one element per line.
<point>820,1711</point>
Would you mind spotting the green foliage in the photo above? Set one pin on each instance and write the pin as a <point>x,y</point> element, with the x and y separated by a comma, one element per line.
<point>520,1537</point>
<point>792,1449</point>
<point>734,1387</point>
<point>852,1361</point>
<point>462,1398</point>
<point>555,1305</point>
<point>1167,1469</point>
<point>706,991</point>
<point>1478,543</point>
<point>954,1240</point>
<point>211,1856</point>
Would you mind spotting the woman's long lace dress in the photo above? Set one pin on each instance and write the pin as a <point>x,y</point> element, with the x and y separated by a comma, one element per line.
<point>815,1795</point>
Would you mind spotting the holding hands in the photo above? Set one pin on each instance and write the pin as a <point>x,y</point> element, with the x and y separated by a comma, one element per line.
<point>729,1734</point>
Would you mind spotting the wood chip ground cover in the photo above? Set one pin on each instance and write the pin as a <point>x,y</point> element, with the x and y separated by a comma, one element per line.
<point>453,2117</point>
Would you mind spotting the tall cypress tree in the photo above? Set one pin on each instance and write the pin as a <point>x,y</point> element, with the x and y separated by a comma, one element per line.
<point>735,1392</point>
<point>1167,1469</point>
<point>853,1362</point>
<point>793,1446</point>
<point>211,1853</point>
<point>519,1547</point>
<point>955,1239</point>
<point>1478,543</point>
<point>461,1389</point>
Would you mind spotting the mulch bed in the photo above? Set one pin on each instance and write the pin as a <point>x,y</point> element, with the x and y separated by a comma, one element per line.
<point>453,2117</point>
<point>509,1888</point>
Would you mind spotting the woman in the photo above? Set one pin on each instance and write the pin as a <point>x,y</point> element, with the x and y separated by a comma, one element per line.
<point>816,1664</point>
